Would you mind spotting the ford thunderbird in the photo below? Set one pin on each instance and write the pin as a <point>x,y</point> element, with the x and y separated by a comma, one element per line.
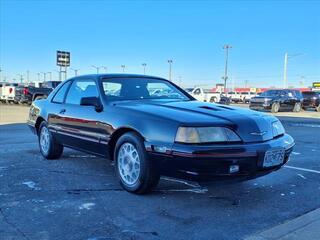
<point>151,127</point>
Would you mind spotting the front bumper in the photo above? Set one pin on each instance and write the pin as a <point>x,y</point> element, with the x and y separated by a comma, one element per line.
<point>260,106</point>
<point>207,162</point>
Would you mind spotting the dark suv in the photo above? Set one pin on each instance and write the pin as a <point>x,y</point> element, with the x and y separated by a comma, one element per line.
<point>277,100</point>
<point>311,100</point>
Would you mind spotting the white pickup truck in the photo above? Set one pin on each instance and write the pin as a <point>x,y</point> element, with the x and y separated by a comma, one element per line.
<point>8,91</point>
<point>204,95</point>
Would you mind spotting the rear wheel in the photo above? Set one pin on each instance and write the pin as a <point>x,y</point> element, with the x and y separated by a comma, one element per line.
<point>297,107</point>
<point>275,107</point>
<point>49,147</point>
<point>213,99</point>
<point>136,172</point>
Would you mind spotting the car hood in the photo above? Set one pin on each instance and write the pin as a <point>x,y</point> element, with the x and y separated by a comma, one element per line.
<point>250,125</point>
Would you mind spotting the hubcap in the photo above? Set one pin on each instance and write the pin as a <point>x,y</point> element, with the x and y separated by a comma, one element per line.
<point>128,163</point>
<point>44,139</point>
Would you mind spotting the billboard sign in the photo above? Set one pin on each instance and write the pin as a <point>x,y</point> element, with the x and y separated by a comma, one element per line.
<point>63,58</point>
<point>316,85</point>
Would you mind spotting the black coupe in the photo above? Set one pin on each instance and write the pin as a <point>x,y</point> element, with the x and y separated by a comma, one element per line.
<point>151,127</point>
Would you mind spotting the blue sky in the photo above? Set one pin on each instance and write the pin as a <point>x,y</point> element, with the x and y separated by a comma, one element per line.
<point>191,33</point>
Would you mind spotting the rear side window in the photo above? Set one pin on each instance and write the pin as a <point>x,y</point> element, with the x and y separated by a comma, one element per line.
<point>80,89</point>
<point>59,97</point>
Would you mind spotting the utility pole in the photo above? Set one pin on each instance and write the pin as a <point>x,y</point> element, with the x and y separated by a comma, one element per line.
<point>123,67</point>
<point>144,65</point>
<point>285,68</point>
<point>38,76</point>
<point>97,68</point>
<point>226,47</point>
<point>170,69</point>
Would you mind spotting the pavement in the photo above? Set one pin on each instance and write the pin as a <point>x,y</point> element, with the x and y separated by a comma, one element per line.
<point>78,196</point>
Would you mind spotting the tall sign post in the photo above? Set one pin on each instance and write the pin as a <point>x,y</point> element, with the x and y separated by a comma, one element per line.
<point>63,61</point>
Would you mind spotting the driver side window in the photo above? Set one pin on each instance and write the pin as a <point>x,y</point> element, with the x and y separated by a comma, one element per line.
<point>81,88</point>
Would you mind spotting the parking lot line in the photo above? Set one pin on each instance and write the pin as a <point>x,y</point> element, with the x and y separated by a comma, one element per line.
<point>303,169</point>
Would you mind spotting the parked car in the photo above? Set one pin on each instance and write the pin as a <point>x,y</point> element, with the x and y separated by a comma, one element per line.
<point>8,92</point>
<point>205,95</point>
<point>311,100</point>
<point>27,94</point>
<point>234,96</point>
<point>114,116</point>
<point>246,96</point>
<point>278,100</point>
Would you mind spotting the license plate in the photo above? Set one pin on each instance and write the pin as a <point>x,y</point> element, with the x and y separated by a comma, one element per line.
<point>273,157</point>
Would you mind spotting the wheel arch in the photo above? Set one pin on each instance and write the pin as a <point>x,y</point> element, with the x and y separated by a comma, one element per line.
<point>38,123</point>
<point>115,137</point>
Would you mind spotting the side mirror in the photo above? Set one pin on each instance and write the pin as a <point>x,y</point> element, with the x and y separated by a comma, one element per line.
<point>92,101</point>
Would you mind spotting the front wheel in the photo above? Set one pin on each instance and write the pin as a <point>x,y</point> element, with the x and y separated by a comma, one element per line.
<point>297,107</point>
<point>49,147</point>
<point>275,107</point>
<point>135,170</point>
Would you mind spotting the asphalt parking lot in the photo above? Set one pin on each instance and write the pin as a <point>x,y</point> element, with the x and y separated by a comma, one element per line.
<point>78,197</point>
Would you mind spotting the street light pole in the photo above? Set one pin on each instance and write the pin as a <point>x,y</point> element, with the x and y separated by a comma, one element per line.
<point>105,68</point>
<point>28,75</point>
<point>285,68</point>
<point>38,76</point>
<point>44,76</point>
<point>123,67</point>
<point>50,75</point>
<point>21,77</point>
<point>97,68</point>
<point>226,47</point>
<point>170,69</point>
<point>144,68</point>
<point>75,71</point>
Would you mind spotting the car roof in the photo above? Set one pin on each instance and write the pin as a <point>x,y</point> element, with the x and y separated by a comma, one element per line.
<point>119,75</point>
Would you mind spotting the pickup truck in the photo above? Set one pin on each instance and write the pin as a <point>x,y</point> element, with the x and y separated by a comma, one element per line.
<point>8,91</point>
<point>276,100</point>
<point>204,95</point>
<point>311,99</point>
<point>27,94</point>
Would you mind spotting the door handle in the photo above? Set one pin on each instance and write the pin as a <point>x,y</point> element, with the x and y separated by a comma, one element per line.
<point>62,111</point>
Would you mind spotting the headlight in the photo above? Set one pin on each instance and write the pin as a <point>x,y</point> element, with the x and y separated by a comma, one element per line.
<point>277,128</point>
<point>205,135</point>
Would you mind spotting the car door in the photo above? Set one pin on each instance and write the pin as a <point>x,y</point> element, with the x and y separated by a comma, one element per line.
<point>82,127</point>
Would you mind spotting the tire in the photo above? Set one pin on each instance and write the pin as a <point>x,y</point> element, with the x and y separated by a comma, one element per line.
<point>297,107</point>
<point>49,147</point>
<point>130,153</point>
<point>275,107</point>
<point>213,99</point>
<point>318,108</point>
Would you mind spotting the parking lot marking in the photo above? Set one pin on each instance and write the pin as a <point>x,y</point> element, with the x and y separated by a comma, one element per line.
<point>300,175</point>
<point>303,169</point>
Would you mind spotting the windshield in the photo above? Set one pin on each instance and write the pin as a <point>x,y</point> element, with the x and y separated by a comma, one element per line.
<point>271,93</point>
<point>117,89</point>
<point>310,94</point>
